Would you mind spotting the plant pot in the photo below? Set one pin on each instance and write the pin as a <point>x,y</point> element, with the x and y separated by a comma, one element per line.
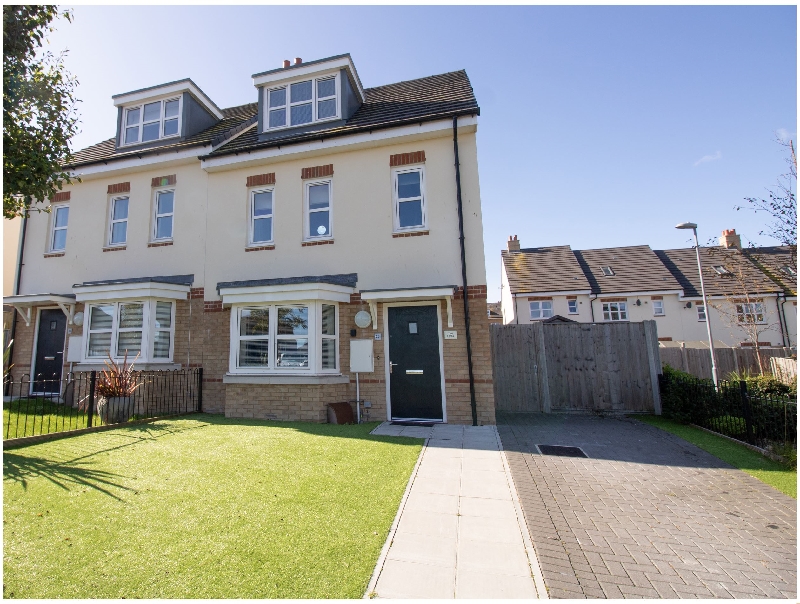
<point>115,409</point>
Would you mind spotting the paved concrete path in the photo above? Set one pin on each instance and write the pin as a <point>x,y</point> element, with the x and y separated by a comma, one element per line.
<point>459,532</point>
<point>647,514</point>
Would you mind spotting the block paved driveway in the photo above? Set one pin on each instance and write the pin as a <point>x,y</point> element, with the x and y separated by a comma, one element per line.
<point>647,514</point>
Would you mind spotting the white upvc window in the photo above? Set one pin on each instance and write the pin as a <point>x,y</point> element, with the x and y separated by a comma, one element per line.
<point>318,209</point>
<point>285,338</point>
<point>304,102</point>
<point>118,221</point>
<point>541,309</point>
<point>163,214</point>
<point>750,312</point>
<point>140,327</point>
<point>410,212</point>
<point>151,121</point>
<point>59,221</point>
<point>572,306</point>
<point>658,308</point>
<point>701,312</point>
<point>261,214</point>
<point>615,311</point>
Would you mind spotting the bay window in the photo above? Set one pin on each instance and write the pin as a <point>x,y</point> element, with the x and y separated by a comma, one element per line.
<point>285,338</point>
<point>143,327</point>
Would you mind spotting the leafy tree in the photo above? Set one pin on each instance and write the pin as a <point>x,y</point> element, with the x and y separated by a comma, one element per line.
<point>782,203</point>
<point>39,115</point>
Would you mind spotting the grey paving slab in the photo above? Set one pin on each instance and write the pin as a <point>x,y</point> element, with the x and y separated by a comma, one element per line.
<point>646,515</point>
<point>460,531</point>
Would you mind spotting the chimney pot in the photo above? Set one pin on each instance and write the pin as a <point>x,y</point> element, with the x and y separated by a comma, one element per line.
<point>297,60</point>
<point>286,63</point>
<point>513,243</point>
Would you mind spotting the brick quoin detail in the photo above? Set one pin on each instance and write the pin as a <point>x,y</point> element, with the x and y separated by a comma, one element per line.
<point>403,159</point>
<point>310,243</point>
<point>166,243</point>
<point>164,181</point>
<point>115,249</point>
<point>355,298</point>
<point>213,306</point>
<point>197,293</point>
<point>63,196</point>
<point>414,234</point>
<point>121,187</point>
<point>258,180</point>
<point>260,248</point>
<point>317,171</point>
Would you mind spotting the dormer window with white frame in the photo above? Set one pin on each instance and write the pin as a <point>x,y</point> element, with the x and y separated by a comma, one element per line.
<point>304,102</point>
<point>151,121</point>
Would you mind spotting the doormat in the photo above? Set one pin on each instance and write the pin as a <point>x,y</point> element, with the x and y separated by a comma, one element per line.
<point>561,451</point>
<point>420,424</point>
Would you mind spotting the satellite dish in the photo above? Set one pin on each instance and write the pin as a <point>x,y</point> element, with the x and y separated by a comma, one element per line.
<point>77,319</point>
<point>363,319</point>
<point>321,230</point>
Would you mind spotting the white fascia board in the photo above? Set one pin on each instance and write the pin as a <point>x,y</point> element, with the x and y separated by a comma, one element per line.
<point>129,291</point>
<point>115,167</point>
<point>37,300</point>
<point>728,296</point>
<point>293,292</point>
<point>158,92</point>
<point>422,293</point>
<point>576,292</point>
<point>323,145</point>
<point>311,69</point>
<point>660,292</point>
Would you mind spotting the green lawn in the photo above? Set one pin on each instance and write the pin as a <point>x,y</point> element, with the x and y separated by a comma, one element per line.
<point>34,416</point>
<point>202,507</point>
<point>771,472</point>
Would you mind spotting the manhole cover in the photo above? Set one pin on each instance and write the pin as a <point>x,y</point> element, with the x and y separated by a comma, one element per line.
<point>561,451</point>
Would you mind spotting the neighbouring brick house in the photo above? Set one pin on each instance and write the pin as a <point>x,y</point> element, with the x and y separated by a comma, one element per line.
<point>246,240</point>
<point>636,283</point>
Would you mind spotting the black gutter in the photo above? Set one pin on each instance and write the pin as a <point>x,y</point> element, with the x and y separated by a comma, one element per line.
<point>464,273</point>
<point>16,286</point>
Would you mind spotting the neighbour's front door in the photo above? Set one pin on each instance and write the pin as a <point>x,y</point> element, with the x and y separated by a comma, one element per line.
<point>415,378</point>
<point>49,351</point>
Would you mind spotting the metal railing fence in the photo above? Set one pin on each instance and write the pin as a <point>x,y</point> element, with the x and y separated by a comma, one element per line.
<point>33,407</point>
<point>749,415</point>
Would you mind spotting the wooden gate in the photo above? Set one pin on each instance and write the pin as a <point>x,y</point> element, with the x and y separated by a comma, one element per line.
<point>544,367</point>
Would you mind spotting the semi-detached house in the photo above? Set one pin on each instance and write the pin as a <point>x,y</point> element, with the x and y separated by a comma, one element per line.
<point>246,240</point>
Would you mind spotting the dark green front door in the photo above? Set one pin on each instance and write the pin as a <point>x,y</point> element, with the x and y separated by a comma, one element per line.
<point>49,351</point>
<point>415,378</point>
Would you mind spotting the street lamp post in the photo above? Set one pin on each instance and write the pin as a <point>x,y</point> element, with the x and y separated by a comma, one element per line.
<point>693,226</point>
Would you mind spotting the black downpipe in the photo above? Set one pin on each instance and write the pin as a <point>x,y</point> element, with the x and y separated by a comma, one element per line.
<point>12,336</point>
<point>464,273</point>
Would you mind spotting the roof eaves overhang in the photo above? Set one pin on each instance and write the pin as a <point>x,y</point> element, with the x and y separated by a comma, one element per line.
<point>554,292</point>
<point>23,304</point>
<point>131,162</point>
<point>409,294</point>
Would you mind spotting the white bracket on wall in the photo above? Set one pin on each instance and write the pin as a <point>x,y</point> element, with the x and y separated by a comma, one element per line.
<point>26,315</point>
<point>449,311</point>
<point>69,310</point>
<point>373,310</point>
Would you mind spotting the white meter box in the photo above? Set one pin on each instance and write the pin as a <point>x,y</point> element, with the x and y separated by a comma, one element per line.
<point>361,360</point>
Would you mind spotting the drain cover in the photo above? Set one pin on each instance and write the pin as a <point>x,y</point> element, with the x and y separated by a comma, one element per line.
<point>561,451</point>
<point>420,424</point>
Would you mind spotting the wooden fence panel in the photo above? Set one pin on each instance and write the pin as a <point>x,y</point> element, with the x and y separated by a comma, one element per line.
<point>576,367</point>
<point>697,361</point>
<point>784,369</point>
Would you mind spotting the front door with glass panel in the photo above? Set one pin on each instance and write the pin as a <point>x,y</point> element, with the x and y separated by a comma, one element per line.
<point>49,351</point>
<point>415,378</point>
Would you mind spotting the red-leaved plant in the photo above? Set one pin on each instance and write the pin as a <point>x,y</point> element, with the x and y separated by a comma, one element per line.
<point>117,380</point>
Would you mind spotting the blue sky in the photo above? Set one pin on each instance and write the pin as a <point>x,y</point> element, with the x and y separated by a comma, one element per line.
<point>600,126</point>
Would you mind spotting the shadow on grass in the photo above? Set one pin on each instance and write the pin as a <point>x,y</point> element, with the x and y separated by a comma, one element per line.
<point>74,468</point>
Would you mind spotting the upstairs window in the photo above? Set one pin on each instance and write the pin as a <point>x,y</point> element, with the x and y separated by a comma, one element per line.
<point>542,309</point>
<point>658,307</point>
<point>409,199</point>
<point>615,311</point>
<point>750,312</point>
<point>701,312</point>
<point>261,216</point>
<point>118,228</point>
<point>303,102</point>
<point>572,306</point>
<point>318,210</point>
<point>58,239</point>
<point>152,121</point>
<point>164,213</point>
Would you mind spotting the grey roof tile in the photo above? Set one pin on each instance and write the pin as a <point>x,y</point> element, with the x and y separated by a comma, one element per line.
<point>544,269</point>
<point>175,279</point>
<point>636,269</point>
<point>773,261</point>
<point>346,280</point>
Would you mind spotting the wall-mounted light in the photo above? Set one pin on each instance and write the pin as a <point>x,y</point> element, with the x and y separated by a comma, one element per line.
<point>638,302</point>
<point>688,305</point>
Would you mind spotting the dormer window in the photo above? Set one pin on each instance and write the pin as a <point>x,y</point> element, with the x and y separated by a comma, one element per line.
<point>152,121</point>
<point>302,102</point>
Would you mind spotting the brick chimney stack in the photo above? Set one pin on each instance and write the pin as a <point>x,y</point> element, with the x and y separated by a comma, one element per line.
<point>513,243</point>
<point>730,239</point>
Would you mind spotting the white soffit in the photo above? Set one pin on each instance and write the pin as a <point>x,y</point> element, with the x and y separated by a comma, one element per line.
<point>409,295</point>
<point>171,89</point>
<point>291,292</point>
<point>129,291</point>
